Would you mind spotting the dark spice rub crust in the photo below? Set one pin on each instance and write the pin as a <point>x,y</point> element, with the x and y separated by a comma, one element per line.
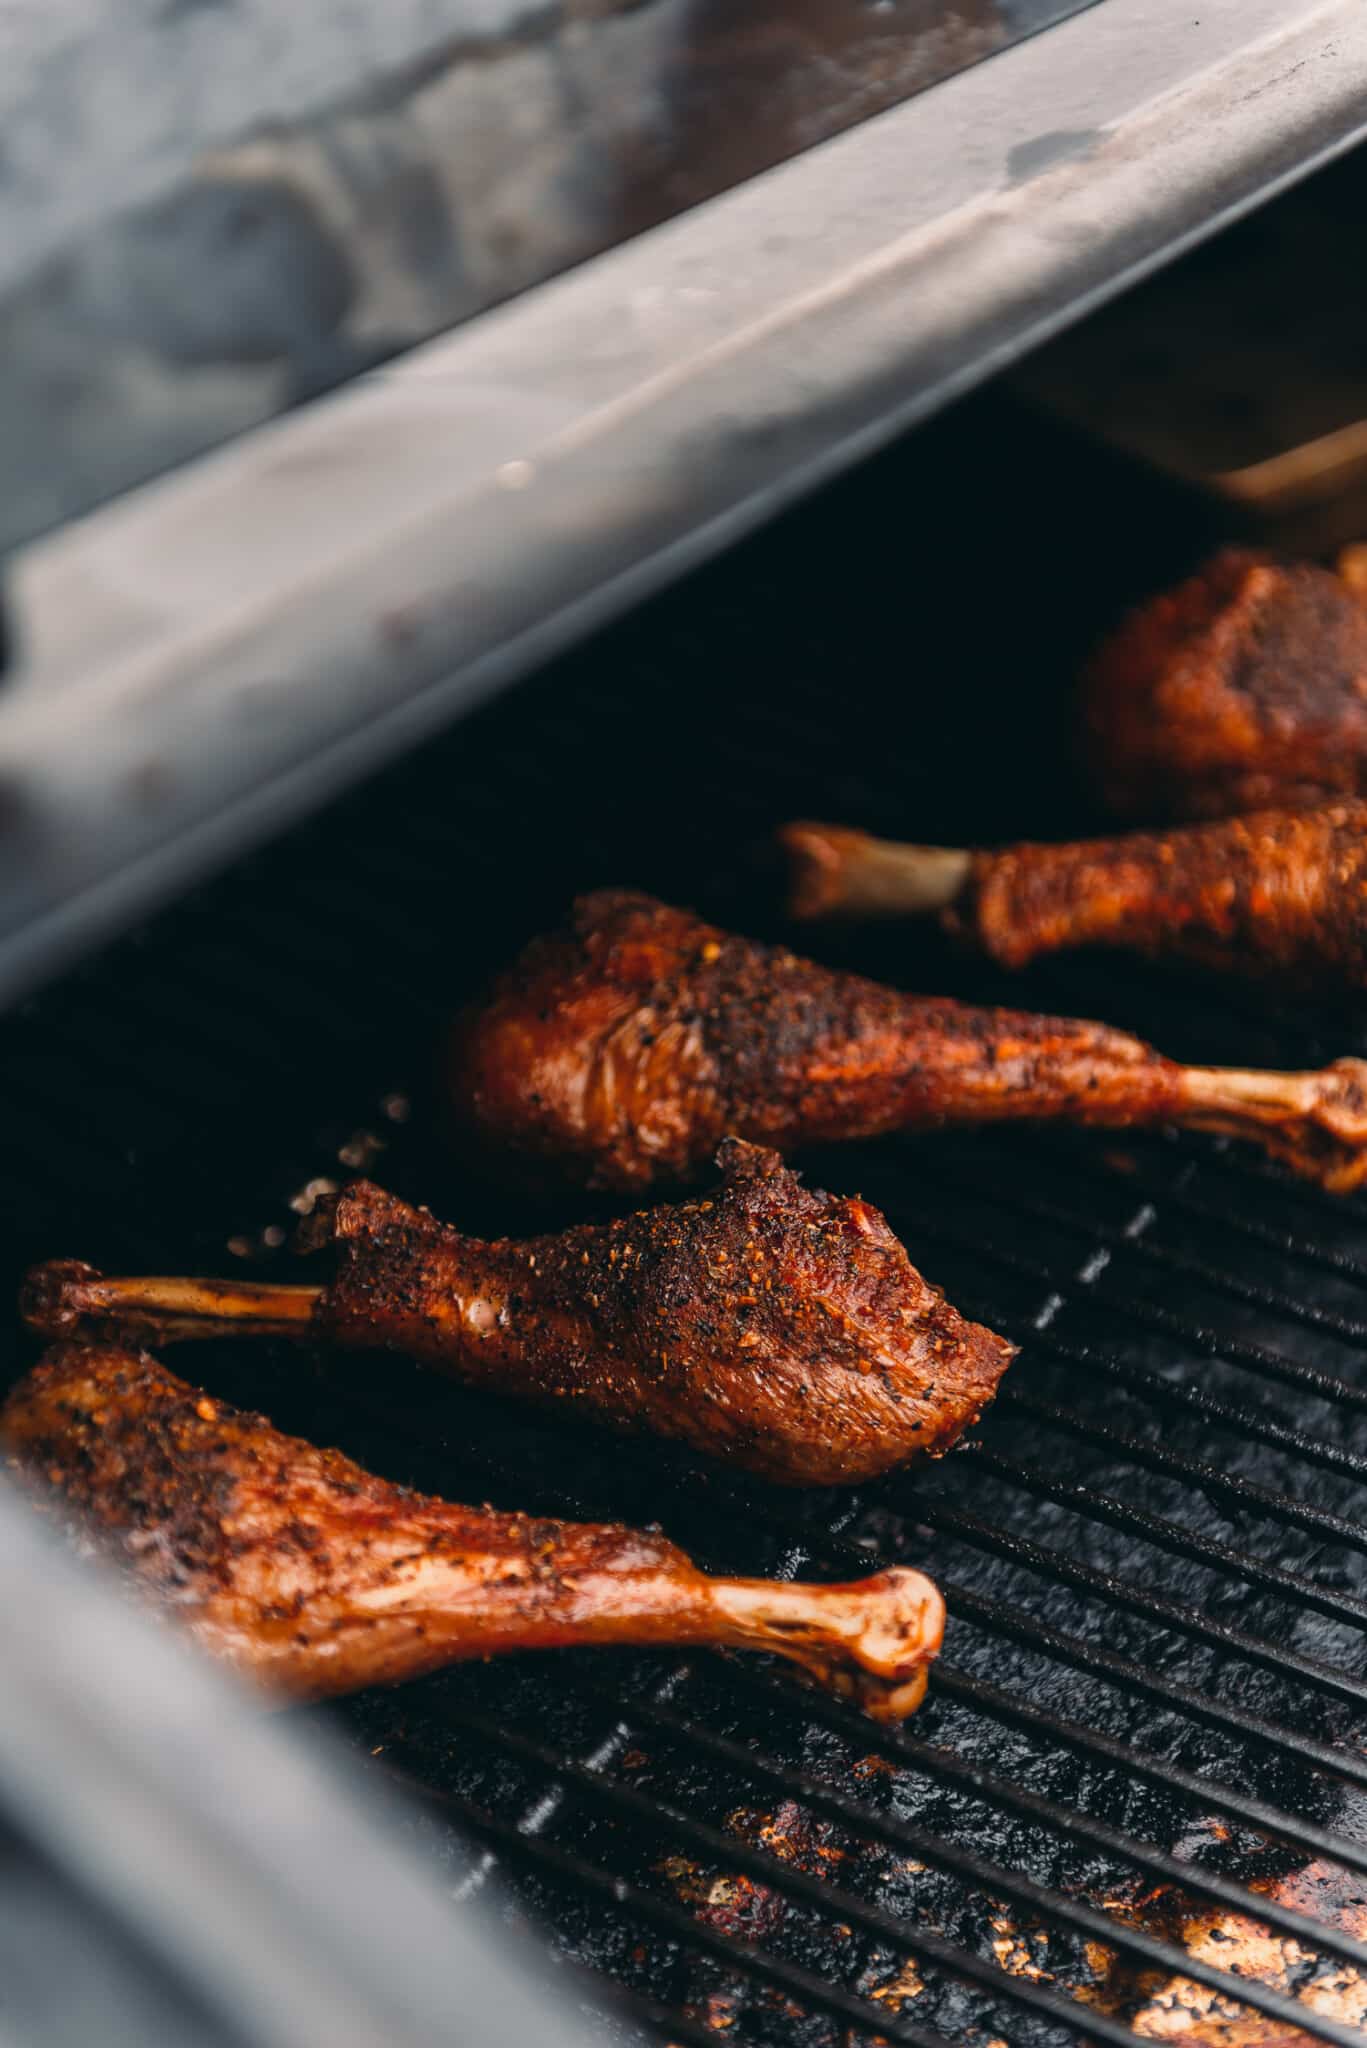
<point>1275,894</point>
<point>771,1325</point>
<point>1244,687</point>
<point>617,1051</point>
<point>304,1570</point>
<point>774,1326</point>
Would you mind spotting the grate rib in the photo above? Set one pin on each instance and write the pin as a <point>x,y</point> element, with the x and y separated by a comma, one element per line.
<point>1253,1175</point>
<point>1248,1422</point>
<point>1168,1535</point>
<point>1149,1315</point>
<point>1123,1671</point>
<point>816,1993</point>
<point>990,1701</point>
<point>1144,1949</point>
<point>1166,1613</point>
<point>1245,1493</point>
<point>1166,1258</point>
<point>992,1789</point>
<point>1176,1192</point>
<point>1210,1794</point>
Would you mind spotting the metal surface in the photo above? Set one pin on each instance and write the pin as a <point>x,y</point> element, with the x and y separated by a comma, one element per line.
<point>1133,1805</point>
<point>270,1899</point>
<point>210,212</point>
<point>219,653</point>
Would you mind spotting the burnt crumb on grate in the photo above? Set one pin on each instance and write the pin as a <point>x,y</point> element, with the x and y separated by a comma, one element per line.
<point>1177,2009</point>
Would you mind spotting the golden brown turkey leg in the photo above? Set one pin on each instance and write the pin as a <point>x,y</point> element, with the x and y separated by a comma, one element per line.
<point>771,1325</point>
<point>1242,688</point>
<point>619,1049</point>
<point>309,1573</point>
<point>1279,894</point>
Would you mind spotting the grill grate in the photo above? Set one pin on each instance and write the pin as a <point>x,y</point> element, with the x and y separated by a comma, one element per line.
<point>1148,1723</point>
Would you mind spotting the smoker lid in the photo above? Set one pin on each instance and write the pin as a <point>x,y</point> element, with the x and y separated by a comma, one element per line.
<point>178,1865</point>
<point>217,652</point>
<point>209,212</point>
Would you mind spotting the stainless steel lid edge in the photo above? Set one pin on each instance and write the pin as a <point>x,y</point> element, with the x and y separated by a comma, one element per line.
<point>213,655</point>
<point>247,1857</point>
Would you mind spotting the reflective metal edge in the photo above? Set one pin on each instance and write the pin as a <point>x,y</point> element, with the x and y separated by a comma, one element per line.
<point>250,1862</point>
<point>214,655</point>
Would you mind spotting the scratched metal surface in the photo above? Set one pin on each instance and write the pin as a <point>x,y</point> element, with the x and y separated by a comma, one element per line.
<point>212,209</point>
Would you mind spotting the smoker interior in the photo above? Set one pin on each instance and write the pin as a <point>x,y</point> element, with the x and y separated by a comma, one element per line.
<point>1153,1552</point>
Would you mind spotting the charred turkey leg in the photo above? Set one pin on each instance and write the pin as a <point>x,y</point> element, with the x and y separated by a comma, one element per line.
<point>618,1050</point>
<point>311,1574</point>
<point>1244,687</point>
<point>1278,893</point>
<point>780,1328</point>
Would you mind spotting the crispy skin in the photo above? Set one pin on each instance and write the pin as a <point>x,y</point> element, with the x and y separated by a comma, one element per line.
<point>307,1572</point>
<point>1278,893</point>
<point>618,1050</point>
<point>781,1329</point>
<point>1244,688</point>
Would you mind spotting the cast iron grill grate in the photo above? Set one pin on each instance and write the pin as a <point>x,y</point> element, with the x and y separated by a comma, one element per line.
<point>1134,1806</point>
